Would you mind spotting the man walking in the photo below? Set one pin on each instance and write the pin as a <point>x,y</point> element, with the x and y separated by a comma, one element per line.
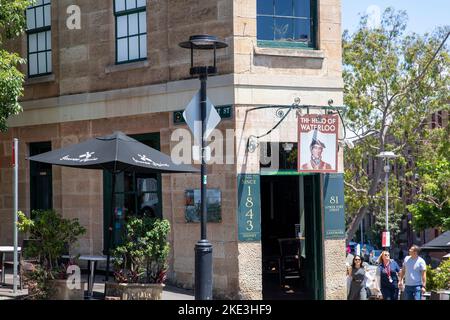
<point>414,273</point>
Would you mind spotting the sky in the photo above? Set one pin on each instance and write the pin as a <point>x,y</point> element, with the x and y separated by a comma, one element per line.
<point>423,16</point>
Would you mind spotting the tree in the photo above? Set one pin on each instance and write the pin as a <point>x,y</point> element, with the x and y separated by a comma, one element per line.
<point>393,82</point>
<point>12,24</point>
<point>431,208</point>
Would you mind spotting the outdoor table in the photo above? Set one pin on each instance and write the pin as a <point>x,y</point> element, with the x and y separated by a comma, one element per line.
<point>92,264</point>
<point>4,250</point>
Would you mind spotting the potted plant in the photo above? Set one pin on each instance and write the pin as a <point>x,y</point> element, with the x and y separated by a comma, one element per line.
<point>140,261</point>
<point>438,279</point>
<point>52,235</point>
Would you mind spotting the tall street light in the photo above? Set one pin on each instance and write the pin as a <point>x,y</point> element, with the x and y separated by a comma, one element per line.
<point>386,155</point>
<point>203,248</point>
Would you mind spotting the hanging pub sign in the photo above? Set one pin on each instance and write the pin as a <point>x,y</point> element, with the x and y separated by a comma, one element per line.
<point>317,143</point>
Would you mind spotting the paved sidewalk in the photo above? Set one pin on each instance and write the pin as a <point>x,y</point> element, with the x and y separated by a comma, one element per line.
<point>169,293</point>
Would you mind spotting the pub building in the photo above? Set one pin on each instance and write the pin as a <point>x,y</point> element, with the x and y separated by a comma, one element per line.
<point>277,229</point>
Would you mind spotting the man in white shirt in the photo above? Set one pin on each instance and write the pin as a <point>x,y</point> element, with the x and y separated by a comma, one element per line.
<point>414,273</point>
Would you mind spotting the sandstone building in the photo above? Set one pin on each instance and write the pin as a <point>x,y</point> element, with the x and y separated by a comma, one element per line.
<point>123,70</point>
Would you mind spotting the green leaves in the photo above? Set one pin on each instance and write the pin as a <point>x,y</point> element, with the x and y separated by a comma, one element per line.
<point>12,24</point>
<point>431,207</point>
<point>142,257</point>
<point>53,232</point>
<point>393,83</point>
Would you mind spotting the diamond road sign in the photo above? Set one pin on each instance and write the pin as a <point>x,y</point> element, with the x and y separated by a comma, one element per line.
<point>193,119</point>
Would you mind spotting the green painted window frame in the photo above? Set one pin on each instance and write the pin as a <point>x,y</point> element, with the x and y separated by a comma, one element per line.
<point>292,44</point>
<point>128,12</point>
<point>46,29</point>
<point>152,139</point>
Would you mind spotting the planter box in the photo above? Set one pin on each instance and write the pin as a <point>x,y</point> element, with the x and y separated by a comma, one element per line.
<point>62,292</point>
<point>440,295</point>
<point>134,291</point>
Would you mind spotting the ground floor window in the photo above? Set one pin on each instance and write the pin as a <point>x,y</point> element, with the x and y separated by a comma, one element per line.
<point>136,194</point>
<point>41,188</point>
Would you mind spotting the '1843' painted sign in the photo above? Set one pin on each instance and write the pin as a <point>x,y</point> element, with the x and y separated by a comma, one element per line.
<point>249,207</point>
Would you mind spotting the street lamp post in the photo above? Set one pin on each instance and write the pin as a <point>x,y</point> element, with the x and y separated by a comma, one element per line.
<point>203,248</point>
<point>386,155</point>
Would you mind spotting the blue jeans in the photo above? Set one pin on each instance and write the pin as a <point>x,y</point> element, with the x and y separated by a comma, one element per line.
<point>413,293</point>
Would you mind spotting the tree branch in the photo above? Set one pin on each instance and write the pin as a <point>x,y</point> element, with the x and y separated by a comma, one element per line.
<point>355,188</point>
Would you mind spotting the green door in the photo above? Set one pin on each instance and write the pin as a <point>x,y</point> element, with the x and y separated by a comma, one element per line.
<point>313,236</point>
<point>135,194</point>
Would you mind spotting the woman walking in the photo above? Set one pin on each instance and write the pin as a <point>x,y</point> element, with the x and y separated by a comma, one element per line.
<point>358,284</point>
<point>387,273</point>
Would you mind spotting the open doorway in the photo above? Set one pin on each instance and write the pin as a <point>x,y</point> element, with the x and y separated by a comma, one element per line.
<point>291,237</point>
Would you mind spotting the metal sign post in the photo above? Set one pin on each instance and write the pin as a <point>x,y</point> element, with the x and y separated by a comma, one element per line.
<point>16,206</point>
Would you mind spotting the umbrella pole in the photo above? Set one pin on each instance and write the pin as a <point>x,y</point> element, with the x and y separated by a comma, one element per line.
<point>111,226</point>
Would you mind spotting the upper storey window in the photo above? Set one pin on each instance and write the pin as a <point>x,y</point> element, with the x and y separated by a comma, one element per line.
<point>131,30</point>
<point>286,23</point>
<point>39,38</point>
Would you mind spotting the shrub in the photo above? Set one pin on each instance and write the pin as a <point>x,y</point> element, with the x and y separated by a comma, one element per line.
<point>142,257</point>
<point>53,234</point>
<point>439,278</point>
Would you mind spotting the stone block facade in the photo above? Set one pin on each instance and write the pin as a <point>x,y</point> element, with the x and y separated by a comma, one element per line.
<point>89,95</point>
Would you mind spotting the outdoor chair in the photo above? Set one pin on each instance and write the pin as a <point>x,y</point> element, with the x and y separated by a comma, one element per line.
<point>289,259</point>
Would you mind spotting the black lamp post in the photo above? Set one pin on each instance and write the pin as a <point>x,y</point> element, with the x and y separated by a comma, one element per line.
<point>203,248</point>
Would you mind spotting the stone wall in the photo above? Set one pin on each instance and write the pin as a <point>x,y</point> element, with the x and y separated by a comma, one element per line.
<point>84,59</point>
<point>79,194</point>
<point>326,61</point>
<point>335,270</point>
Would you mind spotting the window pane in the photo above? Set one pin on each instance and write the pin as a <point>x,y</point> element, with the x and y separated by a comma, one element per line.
<point>33,64</point>
<point>141,3</point>
<point>143,44</point>
<point>42,59</point>
<point>122,50</point>
<point>122,30</point>
<point>302,30</point>
<point>32,42</point>
<point>134,48</point>
<point>283,29</point>
<point>142,22</point>
<point>49,61</point>
<point>37,3</point>
<point>264,7</point>
<point>283,8</point>
<point>41,41</point>
<point>31,23</point>
<point>39,17</point>
<point>302,8</point>
<point>120,5</point>
<point>46,1</point>
<point>131,4</point>
<point>49,40</point>
<point>265,28</point>
<point>133,24</point>
<point>47,15</point>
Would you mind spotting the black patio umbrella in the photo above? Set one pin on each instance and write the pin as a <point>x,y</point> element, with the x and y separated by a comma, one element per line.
<point>115,153</point>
